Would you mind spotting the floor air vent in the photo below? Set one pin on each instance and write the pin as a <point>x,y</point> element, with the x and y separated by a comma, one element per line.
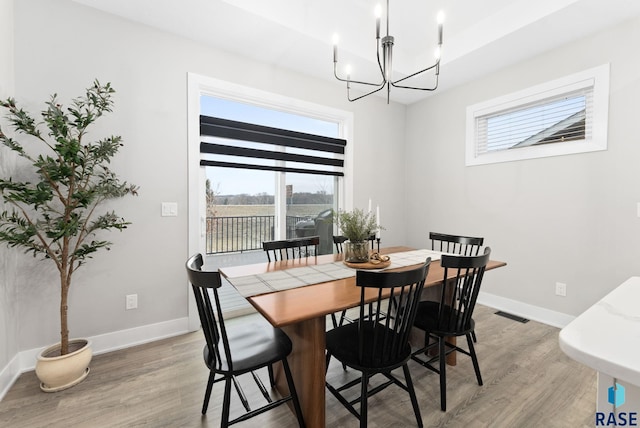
<point>512,317</point>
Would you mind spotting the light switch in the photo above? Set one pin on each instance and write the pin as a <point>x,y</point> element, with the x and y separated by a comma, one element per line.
<point>169,209</point>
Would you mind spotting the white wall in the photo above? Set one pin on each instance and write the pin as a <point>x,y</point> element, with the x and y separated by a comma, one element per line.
<point>6,48</point>
<point>61,47</point>
<point>8,259</point>
<point>570,219</point>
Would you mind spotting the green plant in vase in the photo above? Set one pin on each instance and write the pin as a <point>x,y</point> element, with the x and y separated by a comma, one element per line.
<point>358,226</point>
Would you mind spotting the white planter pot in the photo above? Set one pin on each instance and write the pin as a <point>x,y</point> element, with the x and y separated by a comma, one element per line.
<point>63,371</point>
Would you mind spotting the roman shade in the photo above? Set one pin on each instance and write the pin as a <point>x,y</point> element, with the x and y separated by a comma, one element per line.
<point>234,144</point>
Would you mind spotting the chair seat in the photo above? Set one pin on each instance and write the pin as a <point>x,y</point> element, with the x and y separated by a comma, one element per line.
<point>427,320</point>
<point>343,344</point>
<point>253,346</point>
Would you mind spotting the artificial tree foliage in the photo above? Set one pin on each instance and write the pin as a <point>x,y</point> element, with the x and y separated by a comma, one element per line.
<point>57,212</point>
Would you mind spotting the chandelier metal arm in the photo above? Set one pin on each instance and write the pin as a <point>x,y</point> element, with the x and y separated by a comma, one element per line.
<point>335,73</point>
<point>437,74</point>
<point>380,67</point>
<point>364,95</point>
<point>349,80</point>
<point>417,88</point>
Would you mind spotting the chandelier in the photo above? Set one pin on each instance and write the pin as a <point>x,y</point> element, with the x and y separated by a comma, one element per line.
<point>386,45</point>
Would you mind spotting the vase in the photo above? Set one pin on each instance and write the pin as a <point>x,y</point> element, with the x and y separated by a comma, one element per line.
<point>60,372</point>
<point>356,252</point>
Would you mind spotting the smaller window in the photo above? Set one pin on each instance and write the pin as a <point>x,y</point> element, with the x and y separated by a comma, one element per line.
<point>565,116</point>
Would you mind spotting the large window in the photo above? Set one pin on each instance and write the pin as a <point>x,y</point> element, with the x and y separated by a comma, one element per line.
<point>205,185</point>
<point>566,116</point>
<point>275,155</point>
<point>272,175</point>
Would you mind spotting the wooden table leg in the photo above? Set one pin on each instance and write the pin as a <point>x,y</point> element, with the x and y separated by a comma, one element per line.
<point>307,363</point>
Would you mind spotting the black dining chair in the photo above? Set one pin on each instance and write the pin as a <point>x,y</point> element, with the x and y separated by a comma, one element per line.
<point>457,244</point>
<point>229,353</point>
<point>338,240</point>
<point>452,315</point>
<point>294,248</point>
<point>376,343</point>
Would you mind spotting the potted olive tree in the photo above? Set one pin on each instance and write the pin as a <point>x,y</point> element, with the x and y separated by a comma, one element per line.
<point>54,210</point>
<point>358,227</point>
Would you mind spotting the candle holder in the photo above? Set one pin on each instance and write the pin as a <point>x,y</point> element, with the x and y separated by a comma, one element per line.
<point>378,244</point>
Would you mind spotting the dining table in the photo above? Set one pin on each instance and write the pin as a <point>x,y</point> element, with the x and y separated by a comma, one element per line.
<point>299,304</point>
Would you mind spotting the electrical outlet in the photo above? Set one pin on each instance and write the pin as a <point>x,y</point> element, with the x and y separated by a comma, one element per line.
<point>132,301</point>
<point>561,289</point>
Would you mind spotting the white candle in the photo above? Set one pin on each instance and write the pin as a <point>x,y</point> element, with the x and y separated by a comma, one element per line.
<point>378,221</point>
<point>440,19</point>
<point>369,211</point>
<point>378,14</point>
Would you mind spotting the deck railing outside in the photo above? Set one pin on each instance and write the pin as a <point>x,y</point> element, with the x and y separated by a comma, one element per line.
<point>244,233</point>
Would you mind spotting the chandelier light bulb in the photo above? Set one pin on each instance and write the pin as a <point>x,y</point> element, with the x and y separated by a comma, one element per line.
<point>378,13</point>
<point>440,19</point>
<point>437,52</point>
<point>335,39</point>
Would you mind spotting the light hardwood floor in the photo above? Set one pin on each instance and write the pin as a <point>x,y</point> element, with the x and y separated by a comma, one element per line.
<point>528,382</point>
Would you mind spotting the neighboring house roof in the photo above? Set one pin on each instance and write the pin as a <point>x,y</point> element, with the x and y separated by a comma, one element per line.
<point>569,129</point>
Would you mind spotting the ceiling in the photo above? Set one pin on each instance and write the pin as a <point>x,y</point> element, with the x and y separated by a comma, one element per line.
<point>479,36</point>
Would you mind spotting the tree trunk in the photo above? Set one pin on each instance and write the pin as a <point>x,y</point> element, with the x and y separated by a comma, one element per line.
<point>65,282</point>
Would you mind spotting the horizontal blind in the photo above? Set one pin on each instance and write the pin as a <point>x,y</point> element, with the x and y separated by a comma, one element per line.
<point>564,117</point>
<point>234,144</point>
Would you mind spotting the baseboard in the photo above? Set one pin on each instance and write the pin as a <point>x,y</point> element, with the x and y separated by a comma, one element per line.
<point>9,375</point>
<point>25,360</point>
<point>525,310</point>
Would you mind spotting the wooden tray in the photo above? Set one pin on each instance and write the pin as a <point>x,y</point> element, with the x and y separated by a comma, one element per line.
<point>368,265</point>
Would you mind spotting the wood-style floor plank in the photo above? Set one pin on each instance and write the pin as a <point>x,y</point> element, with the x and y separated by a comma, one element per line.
<point>528,382</point>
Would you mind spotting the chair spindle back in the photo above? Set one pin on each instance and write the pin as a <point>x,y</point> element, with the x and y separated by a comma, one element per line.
<point>456,244</point>
<point>291,248</point>
<point>462,296</point>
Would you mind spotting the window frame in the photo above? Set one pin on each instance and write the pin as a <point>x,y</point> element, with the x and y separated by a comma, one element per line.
<point>596,78</point>
<point>198,85</point>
